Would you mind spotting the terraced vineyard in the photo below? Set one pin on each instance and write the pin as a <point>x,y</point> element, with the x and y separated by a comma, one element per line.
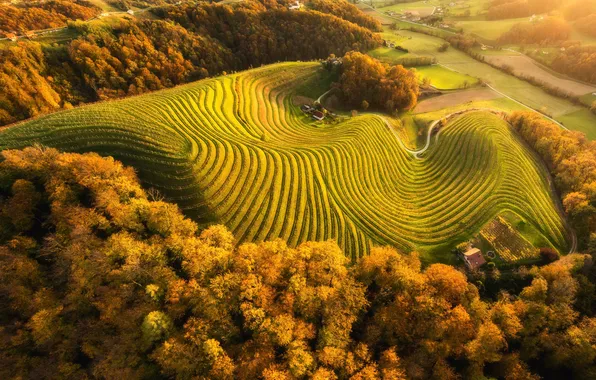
<point>236,150</point>
<point>508,243</point>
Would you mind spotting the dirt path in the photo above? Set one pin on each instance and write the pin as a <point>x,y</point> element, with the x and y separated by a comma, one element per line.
<point>455,98</point>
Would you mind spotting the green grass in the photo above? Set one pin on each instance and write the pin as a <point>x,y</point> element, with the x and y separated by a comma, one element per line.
<point>488,30</point>
<point>518,89</point>
<point>201,145</point>
<point>588,99</point>
<point>499,104</point>
<point>444,79</point>
<point>387,54</point>
<point>582,120</point>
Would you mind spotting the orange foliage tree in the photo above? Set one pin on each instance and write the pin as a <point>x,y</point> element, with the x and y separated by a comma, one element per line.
<point>363,78</point>
<point>97,280</point>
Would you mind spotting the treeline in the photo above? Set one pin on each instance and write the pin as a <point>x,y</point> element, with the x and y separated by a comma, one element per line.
<point>260,34</point>
<point>579,8</point>
<point>365,81</point>
<point>571,159</point>
<point>43,15</point>
<point>587,24</point>
<point>550,30</point>
<point>139,56</point>
<point>578,62</point>
<point>97,279</point>
<point>505,9</point>
<point>346,11</point>
<point>124,5</point>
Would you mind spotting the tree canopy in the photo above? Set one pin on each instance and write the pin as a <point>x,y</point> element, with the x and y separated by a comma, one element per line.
<point>366,79</point>
<point>99,279</point>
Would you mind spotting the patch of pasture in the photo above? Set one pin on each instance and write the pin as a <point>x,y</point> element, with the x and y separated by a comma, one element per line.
<point>488,30</point>
<point>527,67</point>
<point>463,98</point>
<point>582,120</point>
<point>444,79</point>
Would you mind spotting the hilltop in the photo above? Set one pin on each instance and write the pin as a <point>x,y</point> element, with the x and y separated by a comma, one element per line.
<point>236,150</point>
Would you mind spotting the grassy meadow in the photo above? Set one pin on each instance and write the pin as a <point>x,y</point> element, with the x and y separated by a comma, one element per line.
<point>444,79</point>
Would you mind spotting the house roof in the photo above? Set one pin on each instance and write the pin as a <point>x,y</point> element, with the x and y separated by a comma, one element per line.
<point>474,258</point>
<point>472,251</point>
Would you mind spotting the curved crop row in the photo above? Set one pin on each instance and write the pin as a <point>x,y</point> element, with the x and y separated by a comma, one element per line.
<point>235,150</point>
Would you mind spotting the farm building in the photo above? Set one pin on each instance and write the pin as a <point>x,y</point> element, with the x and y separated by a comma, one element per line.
<point>295,6</point>
<point>11,36</point>
<point>318,115</point>
<point>473,258</point>
<point>130,12</point>
<point>306,108</point>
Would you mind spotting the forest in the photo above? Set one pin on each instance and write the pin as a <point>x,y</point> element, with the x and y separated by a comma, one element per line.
<point>550,30</point>
<point>43,15</point>
<point>505,9</point>
<point>136,56</point>
<point>100,278</point>
<point>578,62</point>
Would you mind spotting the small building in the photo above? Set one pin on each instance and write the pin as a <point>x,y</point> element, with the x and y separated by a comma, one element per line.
<point>563,49</point>
<point>318,115</point>
<point>306,108</point>
<point>473,258</point>
<point>30,35</point>
<point>295,6</point>
<point>11,36</point>
<point>130,12</point>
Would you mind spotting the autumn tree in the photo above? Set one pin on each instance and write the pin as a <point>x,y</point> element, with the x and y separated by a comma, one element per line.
<point>99,281</point>
<point>364,78</point>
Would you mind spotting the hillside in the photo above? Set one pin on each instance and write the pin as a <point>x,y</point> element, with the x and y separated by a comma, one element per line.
<point>235,150</point>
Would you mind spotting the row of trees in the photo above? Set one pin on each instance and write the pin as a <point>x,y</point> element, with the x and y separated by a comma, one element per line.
<point>129,4</point>
<point>578,9</point>
<point>98,280</point>
<point>136,56</point>
<point>587,24</point>
<point>550,30</point>
<point>43,15</point>
<point>346,11</point>
<point>365,81</point>
<point>578,62</point>
<point>505,9</point>
<point>571,159</point>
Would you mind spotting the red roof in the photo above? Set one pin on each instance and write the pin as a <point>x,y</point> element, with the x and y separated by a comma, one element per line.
<point>474,258</point>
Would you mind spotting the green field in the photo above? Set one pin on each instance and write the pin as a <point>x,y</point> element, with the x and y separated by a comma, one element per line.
<point>584,119</point>
<point>235,150</point>
<point>444,79</point>
<point>488,30</point>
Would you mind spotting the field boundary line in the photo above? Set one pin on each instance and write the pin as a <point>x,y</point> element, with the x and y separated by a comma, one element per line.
<point>510,98</point>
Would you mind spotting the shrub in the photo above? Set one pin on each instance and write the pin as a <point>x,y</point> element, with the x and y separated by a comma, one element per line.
<point>548,255</point>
